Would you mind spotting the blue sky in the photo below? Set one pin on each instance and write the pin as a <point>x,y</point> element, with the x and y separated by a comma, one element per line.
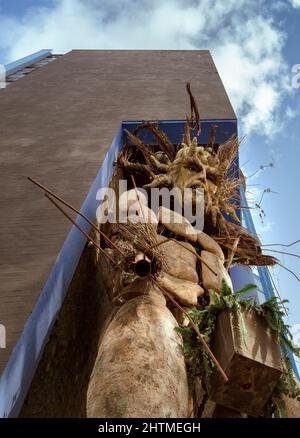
<point>254,43</point>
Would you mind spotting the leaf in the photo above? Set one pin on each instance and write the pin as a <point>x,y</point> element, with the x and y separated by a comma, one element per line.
<point>245,289</point>
<point>290,345</point>
<point>226,290</point>
<point>271,322</point>
<point>229,303</point>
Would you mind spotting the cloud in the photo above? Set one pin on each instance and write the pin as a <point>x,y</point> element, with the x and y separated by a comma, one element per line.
<point>245,41</point>
<point>295,3</point>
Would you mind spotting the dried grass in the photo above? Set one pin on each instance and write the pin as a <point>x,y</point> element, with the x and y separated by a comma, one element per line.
<point>143,237</point>
<point>248,250</point>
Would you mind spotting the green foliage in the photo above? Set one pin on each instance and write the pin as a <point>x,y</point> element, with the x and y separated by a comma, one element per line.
<point>198,361</point>
<point>200,364</point>
<point>288,383</point>
<point>272,310</point>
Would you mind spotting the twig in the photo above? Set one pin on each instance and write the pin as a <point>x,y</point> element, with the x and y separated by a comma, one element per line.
<point>188,249</point>
<point>187,132</point>
<point>268,190</point>
<point>166,145</point>
<point>141,207</point>
<point>232,253</point>
<point>78,212</point>
<point>240,207</point>
<point>196,329</point>
<point>212,137</point>
<point>281,244</point>
<point>282,252</point>
<point>289,270</point>
<point>262,167</point>
<point>279,296</point>
<point>195,117</point>
<point>139,145</point>
<point>79,228</point>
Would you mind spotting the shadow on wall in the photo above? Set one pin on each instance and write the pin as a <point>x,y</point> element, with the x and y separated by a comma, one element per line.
<point>60,384</point>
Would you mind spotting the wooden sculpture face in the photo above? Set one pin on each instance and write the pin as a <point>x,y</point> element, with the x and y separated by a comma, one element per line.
<point>198,167</point>
<point>191,167</point>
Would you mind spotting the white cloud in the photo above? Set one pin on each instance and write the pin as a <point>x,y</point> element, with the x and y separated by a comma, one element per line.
<point>295,3</point>
<point>245,42</point>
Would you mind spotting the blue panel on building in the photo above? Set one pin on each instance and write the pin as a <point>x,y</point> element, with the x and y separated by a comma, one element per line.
<point>15,66</point>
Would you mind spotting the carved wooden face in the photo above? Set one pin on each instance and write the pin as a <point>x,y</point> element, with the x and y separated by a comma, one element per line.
<point>192,166</point>
<point>186,170</point>
<point>199,167</point>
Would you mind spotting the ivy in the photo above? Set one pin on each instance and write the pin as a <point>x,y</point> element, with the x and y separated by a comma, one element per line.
<point>199,363</point>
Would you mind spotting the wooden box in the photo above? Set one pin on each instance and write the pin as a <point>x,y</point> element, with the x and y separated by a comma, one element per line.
<point>251,362</point>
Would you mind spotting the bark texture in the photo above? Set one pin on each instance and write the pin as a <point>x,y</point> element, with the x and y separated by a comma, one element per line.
<point>140,369</point>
